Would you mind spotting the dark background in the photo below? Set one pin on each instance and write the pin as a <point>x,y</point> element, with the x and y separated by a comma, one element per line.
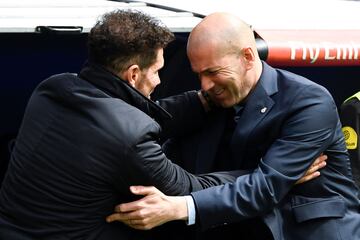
<point>28,58</point>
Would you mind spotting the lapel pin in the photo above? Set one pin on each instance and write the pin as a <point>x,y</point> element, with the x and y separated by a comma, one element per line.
<point>263,110</point>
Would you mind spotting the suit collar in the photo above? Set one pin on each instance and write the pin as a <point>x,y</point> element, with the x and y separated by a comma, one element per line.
<point>258,104</point>
<point>267,79</point>
<point>118,88</point>
<point>259,100</point>
<point>266,82</point>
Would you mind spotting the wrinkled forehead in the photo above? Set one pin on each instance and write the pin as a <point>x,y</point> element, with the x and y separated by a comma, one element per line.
<point>209,61</point>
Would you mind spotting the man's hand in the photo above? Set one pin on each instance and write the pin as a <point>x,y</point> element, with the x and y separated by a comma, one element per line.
<point>155,208</point>
<point>313,172</point>
<point>152,210</point>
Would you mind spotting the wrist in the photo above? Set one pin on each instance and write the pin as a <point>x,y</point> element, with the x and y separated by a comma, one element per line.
<point>180,207</point>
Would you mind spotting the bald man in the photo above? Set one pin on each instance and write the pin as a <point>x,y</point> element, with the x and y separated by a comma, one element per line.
<point>283,122</point>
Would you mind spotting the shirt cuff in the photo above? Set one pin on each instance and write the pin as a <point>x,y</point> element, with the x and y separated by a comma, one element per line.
<point>191,210</point>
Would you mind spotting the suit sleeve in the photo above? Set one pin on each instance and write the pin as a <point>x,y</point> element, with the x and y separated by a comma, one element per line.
<point>306,133</point>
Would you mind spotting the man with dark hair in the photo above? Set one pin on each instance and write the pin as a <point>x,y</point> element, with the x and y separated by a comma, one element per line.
<point>86,138</point>
<point>118,41</point>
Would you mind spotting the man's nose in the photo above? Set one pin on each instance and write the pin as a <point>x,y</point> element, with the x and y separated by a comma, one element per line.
<point>206,83</point>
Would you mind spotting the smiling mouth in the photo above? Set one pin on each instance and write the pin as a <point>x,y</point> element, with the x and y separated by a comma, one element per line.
<point>219,91</point>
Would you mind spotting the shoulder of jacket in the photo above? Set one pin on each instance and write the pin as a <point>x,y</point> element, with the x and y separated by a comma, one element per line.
<point>129,123</point>
<point>59,82</point>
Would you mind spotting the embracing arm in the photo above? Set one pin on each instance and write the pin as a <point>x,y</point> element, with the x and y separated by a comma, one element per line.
<point>304,137</point>
<point>155,208</point>
<point>148,165</point>
<point>306,133</point>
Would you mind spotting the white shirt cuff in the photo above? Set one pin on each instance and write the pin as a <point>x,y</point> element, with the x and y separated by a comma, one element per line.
<point>191,210</point>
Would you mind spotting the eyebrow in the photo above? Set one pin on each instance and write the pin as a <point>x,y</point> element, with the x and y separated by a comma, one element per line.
<point>212,69</point>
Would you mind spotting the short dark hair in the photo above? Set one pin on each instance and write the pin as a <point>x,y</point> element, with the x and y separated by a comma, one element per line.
<point>125,37</point>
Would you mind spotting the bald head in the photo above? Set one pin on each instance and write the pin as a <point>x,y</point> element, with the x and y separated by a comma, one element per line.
<point>222,51</point>
<point>221,31</point>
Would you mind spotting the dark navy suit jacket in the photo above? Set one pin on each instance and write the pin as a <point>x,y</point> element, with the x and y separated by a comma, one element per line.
<point>286,123</point>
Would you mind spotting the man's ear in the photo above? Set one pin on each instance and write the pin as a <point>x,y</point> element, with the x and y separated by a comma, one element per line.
<point>249,56</point>
<point>132,74</point>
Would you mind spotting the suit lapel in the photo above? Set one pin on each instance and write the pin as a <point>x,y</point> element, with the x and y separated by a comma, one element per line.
<point>258,104</point>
